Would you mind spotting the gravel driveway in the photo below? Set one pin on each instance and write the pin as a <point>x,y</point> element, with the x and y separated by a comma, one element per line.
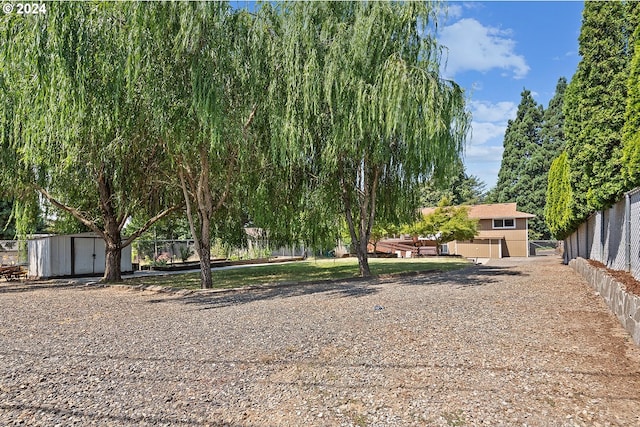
<point>509,343</point>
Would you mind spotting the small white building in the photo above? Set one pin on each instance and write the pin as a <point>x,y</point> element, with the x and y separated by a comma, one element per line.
<point>71,255</point>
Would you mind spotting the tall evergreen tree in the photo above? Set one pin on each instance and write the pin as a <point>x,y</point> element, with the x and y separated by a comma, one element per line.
<point>521,141</point>
<point>553,139</point>
<point>595,104</point>
<point>631,129</point>
<point>553,142</point>
<point>522,175</point>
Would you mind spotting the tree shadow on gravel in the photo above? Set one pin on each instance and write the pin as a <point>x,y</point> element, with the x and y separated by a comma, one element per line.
<point>353,288</point>
<point>477,275</point>
<point>18,287</point>
<point>109,418</point>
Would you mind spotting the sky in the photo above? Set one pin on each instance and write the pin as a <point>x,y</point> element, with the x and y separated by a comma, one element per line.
<point>496,49</point>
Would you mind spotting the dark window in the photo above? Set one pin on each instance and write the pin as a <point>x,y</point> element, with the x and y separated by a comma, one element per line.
<point>504,223</point>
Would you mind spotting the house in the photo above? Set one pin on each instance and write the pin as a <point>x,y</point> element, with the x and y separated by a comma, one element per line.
<point>503,231</point>
<point>71,255</point>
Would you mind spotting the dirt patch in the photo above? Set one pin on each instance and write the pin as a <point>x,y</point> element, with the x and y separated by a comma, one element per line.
<point>630,283</point>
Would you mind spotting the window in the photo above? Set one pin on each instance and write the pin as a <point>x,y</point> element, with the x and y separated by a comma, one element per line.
<point>504,223</point>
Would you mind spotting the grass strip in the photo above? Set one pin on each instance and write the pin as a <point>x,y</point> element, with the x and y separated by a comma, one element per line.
<point>310,270</point>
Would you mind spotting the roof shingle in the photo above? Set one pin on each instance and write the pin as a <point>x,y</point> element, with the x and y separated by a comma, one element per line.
<point>491,211</point>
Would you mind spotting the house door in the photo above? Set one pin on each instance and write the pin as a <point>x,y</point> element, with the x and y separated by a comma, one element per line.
<point>87,257</point>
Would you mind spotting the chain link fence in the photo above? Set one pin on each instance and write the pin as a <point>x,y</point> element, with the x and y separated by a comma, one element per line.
<point>634,246</point>
<point>13,252</point>
<point>611,236</point>
<point>167,252</point>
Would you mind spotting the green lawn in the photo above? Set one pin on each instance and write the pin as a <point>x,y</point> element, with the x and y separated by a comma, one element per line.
<point>301,271</point>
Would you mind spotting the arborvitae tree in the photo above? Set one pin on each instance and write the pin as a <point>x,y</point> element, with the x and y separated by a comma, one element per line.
<point>595,104</point>
<point>558,210</point>
<point>522,173</point>
<point>631,129</point>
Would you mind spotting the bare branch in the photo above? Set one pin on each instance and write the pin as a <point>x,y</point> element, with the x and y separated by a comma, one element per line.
<point>148,224</point>
<point>72,211</point>
<point>245,128</point>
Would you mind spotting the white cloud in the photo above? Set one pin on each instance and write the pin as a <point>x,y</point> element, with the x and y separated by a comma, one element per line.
<point>484,111</point>
<point>483,132</point>
<point>472,46</point>
<point>484,154</point>
<point>484,162</point>
<point>490,120</point>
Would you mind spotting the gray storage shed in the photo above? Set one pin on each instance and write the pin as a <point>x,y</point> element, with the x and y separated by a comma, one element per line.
<point>71,255</point>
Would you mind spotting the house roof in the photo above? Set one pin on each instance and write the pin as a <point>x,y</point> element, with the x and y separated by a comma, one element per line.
<point>491,211</point>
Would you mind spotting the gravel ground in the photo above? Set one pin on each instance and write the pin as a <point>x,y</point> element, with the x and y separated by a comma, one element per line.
<point>510,343</point>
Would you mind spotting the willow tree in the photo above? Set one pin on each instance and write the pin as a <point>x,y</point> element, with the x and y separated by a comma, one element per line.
<point>365,107</point>
<point>73,130</point>
<point>207,107</point>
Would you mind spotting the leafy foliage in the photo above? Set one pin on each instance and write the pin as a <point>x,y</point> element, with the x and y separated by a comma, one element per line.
<point>461,189</point>
<point>381,231</point>
<point>210,109</point>
<point>631,129</point>
<point>558,210</point>
<point>7,224</point>
<point>326,108</point>
<point>595,105</point>
<point>552,132</point>
<point>72,125</point>
<point>445,224</point>
<point>364,108</point>
<point>599,160</point>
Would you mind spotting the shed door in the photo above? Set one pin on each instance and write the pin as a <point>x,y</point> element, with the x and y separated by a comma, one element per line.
<point>88,257</point>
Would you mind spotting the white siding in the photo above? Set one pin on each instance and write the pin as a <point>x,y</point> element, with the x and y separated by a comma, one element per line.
<point>52,256</point>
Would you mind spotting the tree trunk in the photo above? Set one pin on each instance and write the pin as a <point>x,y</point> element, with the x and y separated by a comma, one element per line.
<point>112,226</point>
<point>113,248</point>
<point>363,257</point>
<point>205,264</point>
<point>113,258</point>
<point>360,235</point>
<point>198,193</point>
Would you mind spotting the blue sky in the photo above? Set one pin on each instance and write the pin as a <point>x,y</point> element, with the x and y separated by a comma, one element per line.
<point>495,50</point>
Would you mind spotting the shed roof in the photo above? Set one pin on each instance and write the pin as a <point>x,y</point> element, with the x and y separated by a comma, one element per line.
<point>491,211</point>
